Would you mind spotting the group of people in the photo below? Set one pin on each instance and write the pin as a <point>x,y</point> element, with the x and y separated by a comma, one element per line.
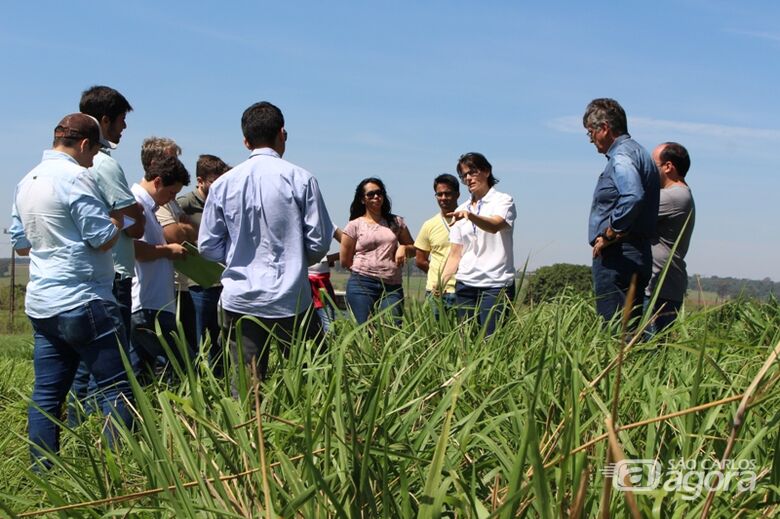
<point>102,278</point>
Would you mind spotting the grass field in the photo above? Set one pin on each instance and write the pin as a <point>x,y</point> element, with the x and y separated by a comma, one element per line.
<point>429,420</point>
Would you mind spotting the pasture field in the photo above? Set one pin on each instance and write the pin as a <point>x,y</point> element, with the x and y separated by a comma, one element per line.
<point>430,419</point>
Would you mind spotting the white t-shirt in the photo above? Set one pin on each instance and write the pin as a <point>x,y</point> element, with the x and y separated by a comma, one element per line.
<point>153,281</point>
<point>487,260</point>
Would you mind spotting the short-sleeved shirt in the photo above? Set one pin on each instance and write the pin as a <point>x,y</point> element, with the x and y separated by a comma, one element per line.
<point>153,281</point>
<point>676,202</point>
<point>169,214</point>
<point>488,259</point>
<point>116,193</point>
<point>434,238</point>
<point>58,213</point>
<point>375,247</point>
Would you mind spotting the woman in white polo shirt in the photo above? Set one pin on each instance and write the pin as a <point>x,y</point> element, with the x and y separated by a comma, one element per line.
<point>481,257</point>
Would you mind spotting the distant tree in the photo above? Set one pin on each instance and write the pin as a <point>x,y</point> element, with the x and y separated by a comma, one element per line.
<point>547,282</point>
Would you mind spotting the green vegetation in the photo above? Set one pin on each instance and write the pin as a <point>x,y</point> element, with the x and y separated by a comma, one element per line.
<point>426,420</point>
<point>548,282</point>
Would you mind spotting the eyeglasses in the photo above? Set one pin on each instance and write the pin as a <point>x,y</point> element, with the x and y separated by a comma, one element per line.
<point>443,194</point>
<point>593,129</point>
<point>470,173</point>
<point>378,193</point>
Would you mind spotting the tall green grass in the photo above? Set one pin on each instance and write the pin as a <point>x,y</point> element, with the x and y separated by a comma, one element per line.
<point>429,419</point>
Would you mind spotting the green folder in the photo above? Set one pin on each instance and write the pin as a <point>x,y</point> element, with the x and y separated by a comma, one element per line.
<point>205,273</point>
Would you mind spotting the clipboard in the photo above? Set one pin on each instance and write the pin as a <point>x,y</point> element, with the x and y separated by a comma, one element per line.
<point>205,273</point>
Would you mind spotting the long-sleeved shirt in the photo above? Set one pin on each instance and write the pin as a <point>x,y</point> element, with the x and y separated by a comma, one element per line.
<point>266,221</point>
<point>58,213</point>
<point>626,194</point>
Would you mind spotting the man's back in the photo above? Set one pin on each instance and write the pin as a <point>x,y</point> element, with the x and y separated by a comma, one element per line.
<point>64,221</point>
<point>266,220</point>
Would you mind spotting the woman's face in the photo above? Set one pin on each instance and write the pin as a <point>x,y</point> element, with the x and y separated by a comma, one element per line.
<point>373,197</point>
<point>473,178</point>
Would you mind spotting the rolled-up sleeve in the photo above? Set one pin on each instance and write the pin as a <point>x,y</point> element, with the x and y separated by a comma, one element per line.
<point>90,214</point>
<point>317,225</point>
<point>212,235</point>
<point>630,194</point>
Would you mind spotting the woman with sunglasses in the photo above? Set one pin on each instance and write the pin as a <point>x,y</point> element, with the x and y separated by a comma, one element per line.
<point>481,257</point>
<point>374,247</point>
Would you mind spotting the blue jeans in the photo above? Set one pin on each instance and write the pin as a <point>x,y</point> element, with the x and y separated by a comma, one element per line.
<point>83,388</point>
<point>488,304</point>
<point>365,292</point>
<point>612,273</point>
<point>206,303</point>
<point>445,302</point>
<point>148,345</point>
<point>665,318</point>
<point>326,317</point>
<point>93,334</point>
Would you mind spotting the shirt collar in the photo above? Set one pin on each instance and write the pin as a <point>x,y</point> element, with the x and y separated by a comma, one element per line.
<point>616,143</point>
<point>265,151</point>
<point>146,198</point>
<point>58,155</point>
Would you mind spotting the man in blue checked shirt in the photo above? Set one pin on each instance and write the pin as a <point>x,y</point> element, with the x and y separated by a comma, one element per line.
<point>624,210</point>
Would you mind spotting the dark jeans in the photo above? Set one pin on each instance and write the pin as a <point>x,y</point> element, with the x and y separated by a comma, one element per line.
<point>84,387</point>
<point>488,304</point>
<point>666,317</point>
<point>446,302</point>
<point>612,273</point>
<point>187,317</point>
<point>92,334</point>
<point>148,346</point>
<point>255,338</point>
<point>206,304</point>
<point>365,292</point>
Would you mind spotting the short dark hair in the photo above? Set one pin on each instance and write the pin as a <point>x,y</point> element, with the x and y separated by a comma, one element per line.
<point>261,123</point>
<point>477,161</point>
<point>449,180</point>
<point>606,110</point>
<point>676,154</point>
<point>99,100</point>
<point>74,128</point>
<point>210,165</point>
<point>169,169</point>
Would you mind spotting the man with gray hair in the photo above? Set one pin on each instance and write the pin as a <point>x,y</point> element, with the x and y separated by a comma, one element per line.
<point>676,216</point>
<point>624,209</point>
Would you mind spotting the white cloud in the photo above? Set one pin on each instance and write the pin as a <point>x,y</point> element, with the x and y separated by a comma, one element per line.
<point>573,124</point>
<point>770,36</point>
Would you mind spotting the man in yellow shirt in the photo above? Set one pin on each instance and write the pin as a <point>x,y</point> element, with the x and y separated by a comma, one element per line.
<point>433,240</point>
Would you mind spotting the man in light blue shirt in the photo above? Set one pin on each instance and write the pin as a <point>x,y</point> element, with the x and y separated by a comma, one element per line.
<point>110,108</point>
<point>60,220</point>
<point>624,209</point>
<point>266,221</point>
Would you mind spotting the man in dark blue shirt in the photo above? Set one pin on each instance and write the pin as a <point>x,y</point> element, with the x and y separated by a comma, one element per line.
<point>624,210</point>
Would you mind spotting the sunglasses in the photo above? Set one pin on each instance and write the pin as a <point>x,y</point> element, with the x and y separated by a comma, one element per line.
<point>374,194</point>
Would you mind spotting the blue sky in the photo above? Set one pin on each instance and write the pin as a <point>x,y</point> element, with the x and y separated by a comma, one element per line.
<point>399,90</point>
